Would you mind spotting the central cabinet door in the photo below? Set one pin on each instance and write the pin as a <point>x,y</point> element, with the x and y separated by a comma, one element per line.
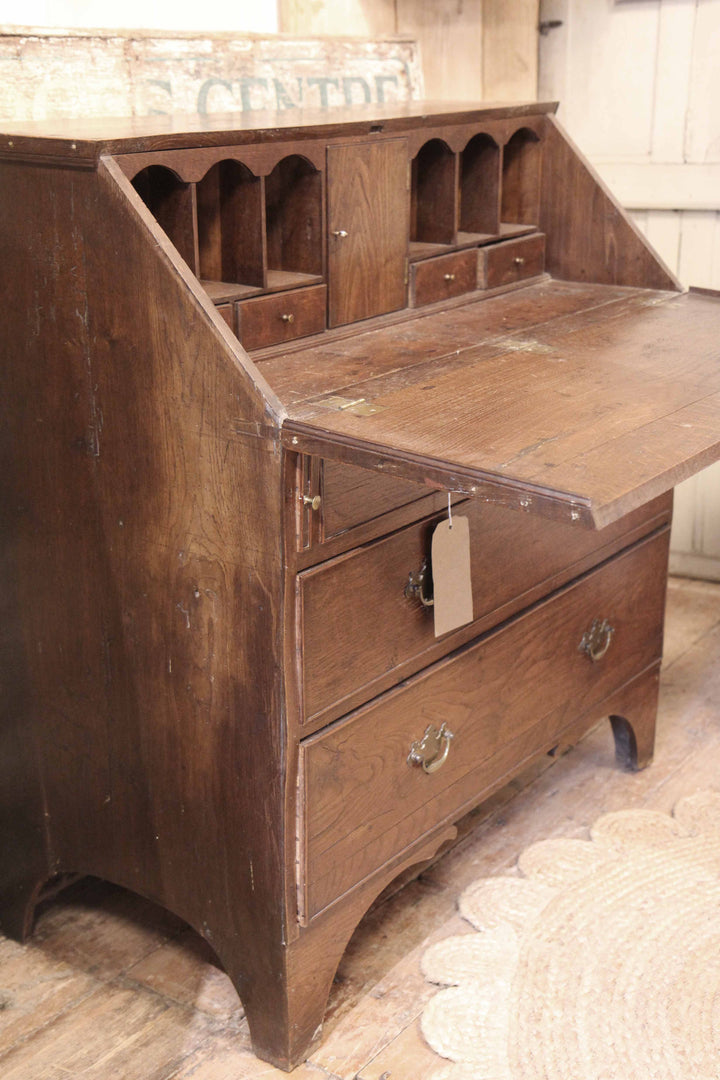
<point>368,221</point>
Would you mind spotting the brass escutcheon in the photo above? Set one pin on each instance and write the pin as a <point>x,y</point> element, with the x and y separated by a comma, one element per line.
<point>596,641</point>
<point>417,585</point>
<point>432,750</point>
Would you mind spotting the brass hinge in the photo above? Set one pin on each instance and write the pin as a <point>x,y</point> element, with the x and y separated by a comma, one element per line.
<point>356,406</point>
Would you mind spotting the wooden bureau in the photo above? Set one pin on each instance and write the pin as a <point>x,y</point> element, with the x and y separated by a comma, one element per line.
<point>246,360</point>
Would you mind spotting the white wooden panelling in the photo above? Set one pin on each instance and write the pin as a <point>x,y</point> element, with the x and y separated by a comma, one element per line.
<point>450,36</point>
<point>657,185</point>
<point>471,49</point>
<point>699,262</point>
<point>640,93</point>
<point>663,230</point>
<point>673,72</point>
<point>607,54</point>
<point>341,17</point>
<point>702,142</point>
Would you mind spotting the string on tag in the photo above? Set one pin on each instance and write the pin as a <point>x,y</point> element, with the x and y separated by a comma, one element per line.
<point>449,511</point>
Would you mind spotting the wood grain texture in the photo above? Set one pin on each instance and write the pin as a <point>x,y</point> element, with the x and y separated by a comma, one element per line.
<point>434,341</point>
<point>511,261</point>
<point>362,799</point>
<point>443,277</point>
<point>397,632</point>
<point>133,553</point>
<point>480,186</point>
<point>80,142</point>
<point>269,320</point>
<point>173,592</point>
<point>230,209</point>
<point>597,384</point>
<point>434,188</point>
<point>368,202</point>
<point>380,990</point>
<point>353,496</point>
<point>608,248</point>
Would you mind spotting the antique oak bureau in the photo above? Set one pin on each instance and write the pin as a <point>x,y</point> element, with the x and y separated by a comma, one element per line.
<point>246,360</point>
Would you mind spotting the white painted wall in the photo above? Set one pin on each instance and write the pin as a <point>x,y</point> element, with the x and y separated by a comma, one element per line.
<point>639,87</point>
<point>260,16</point>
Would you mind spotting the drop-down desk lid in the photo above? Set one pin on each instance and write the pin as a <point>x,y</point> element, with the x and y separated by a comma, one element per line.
<point>569,400</point>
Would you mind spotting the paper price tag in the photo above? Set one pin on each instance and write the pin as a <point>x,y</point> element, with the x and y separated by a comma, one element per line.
<point>452,587</point>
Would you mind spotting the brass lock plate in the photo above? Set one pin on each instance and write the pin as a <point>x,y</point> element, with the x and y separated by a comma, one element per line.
<point>356,406</point>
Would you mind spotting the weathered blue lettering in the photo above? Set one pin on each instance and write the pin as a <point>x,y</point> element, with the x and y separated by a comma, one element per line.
<point>164,85</point>
<point>282,98</point>
<point>246,83</point>
<point>207,86</point>
<point>348,83</point>
<point>322,84</point>
<point>380,80</point>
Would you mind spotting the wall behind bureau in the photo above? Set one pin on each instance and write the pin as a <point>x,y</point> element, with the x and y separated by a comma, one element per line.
<point>639,87</point>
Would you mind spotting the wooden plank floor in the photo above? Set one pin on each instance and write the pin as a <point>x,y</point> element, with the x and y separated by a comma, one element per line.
<point>111,987</point>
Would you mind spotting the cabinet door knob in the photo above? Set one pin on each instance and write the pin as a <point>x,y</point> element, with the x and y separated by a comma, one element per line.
<point>312,501</point>
<point>288,318</point>
<point>448,277</point>
<point>340,233</point>
<point>519,260</point>
<point>432,750</point>
<point>596,641</point>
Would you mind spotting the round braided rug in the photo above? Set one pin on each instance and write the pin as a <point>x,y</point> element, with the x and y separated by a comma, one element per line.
<point>600,960</point>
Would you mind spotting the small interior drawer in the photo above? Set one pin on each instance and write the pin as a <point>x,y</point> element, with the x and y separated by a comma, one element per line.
<point>271,320</point>
<point>363,802</point>
<point>361,633</point>
<point>513,260</point>
<point>443,277</point>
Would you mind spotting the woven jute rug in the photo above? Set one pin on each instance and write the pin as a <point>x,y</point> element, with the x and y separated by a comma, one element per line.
<point>599,960</point>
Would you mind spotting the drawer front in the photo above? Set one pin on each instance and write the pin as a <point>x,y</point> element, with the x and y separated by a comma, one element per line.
<point>360,633</point>
<point>270,320</point>
<point>227,312</point>
<point>441,278</point>
<point>352,496</point>
<point>505,699</point>
<point>515,260</point>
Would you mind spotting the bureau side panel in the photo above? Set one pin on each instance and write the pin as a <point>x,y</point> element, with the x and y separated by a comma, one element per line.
<point>144,524</point>
<point>589,236</point>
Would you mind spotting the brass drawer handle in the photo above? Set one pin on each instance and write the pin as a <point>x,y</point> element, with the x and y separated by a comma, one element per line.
<point>288,318</point>
<point>312,501</point>
<point>432,750</point>
<point>340,233</point>
<point>519,260</point>
<point>448,277</point>
<point>417,585</point>
<point>596,641</point>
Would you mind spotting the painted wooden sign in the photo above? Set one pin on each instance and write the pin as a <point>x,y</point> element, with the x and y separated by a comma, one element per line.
<point>69,73</point>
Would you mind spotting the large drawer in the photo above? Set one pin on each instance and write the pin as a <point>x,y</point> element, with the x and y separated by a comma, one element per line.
<point>360,633</point>
<point>506,698</point>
